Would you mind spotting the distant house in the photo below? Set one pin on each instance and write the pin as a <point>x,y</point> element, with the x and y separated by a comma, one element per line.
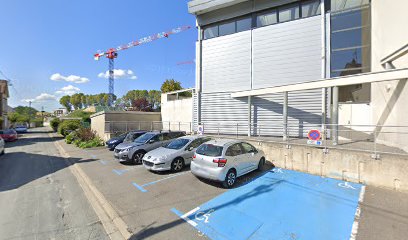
<point>4,94</point>
<point>60,112</point>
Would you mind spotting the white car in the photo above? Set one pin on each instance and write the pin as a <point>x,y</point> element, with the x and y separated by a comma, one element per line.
<point>2,146</point>
<point>225,160</point>
<point>174,155</point>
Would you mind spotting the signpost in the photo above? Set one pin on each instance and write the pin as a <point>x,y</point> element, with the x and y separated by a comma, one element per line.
<point>200,129</point>
<point>314,137</point>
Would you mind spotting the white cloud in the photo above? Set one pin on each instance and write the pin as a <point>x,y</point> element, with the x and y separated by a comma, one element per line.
<point>70,78</point>
<point>68,90</point>
<point>119,73</point>
<point>43,97</point>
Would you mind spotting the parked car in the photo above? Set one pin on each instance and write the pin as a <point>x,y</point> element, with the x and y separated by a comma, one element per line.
<point>2,144</point>
<point>225,160</point>
<point>20,129</point>
<point>8,135</point>
<point>174,155</point>
<point>133,152</point>
<point>126,137</point>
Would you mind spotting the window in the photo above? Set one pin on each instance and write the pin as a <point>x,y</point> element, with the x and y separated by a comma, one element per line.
<point>244,24</point>
<point>350,42</point>
<point>310,8</point>
<point>209,150</point>
<point>195,143</point>
<point>210,32</point>
<point>248,148</point>
<point>234,150</point>
<point>288,13</point>
<point>266,19</point>
<point>339,5</point>
<point>226,28</point>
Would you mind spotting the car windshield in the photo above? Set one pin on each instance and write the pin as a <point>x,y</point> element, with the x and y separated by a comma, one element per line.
<point>130,137</point>
<point>209,150</point>
<point>144,138</point>
<point>177,144</point>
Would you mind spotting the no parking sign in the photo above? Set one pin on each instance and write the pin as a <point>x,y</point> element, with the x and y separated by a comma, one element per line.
<point>314,136</point>
<point>200,129</point>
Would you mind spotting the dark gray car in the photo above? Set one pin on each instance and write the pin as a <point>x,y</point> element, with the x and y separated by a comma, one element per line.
<point>133,152</point>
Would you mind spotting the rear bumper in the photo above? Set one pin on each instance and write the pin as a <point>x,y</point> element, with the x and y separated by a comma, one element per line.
<point>216,174</point>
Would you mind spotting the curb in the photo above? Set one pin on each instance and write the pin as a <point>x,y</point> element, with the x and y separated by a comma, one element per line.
<point>113,224</point>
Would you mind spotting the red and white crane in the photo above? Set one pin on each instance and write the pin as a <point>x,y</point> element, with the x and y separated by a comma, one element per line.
<point>112,53</point>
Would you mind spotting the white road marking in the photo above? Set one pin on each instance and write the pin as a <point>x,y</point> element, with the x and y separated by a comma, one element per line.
<point>354,228</point>
<point>185,217</point>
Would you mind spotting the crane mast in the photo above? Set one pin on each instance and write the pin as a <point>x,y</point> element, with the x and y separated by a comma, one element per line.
<point>112,53</point>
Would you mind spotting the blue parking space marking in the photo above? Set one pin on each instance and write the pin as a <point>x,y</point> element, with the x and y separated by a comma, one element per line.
<point>103,162</point>
<point>119,172</point>
<point>93,156</point>
<point>139,187</point>
<point>281,204</point>
<point>142,187</point>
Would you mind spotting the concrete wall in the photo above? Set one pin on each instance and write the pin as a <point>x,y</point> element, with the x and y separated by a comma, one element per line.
<point>390,171</point>
<point>176,111</point>
<point>107,123</point>
<point>389,99</point>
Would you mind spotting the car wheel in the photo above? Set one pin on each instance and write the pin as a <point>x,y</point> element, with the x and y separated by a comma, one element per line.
<point>2,152</point>
<point>177,165</point>
<point>261,164</point>
<point>230,179</point>
<point>138,156</point>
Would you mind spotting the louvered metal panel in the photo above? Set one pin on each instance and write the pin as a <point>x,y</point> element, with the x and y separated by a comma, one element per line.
<point>195,112</point>
<point>287,53</point>
<point>226,63</point>
<point>225,115</point>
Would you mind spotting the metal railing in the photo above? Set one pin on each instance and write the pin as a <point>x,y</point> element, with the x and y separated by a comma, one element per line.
<point>374,139</point>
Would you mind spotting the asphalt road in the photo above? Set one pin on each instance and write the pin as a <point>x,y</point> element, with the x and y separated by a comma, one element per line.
<point>39,196</point>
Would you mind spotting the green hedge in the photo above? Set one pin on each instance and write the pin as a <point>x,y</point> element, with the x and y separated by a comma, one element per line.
<point>54,123</point>
<point>68,126</point>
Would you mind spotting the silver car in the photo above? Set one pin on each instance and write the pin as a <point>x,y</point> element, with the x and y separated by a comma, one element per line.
<point>133,152</point>
<point>175,155</point>
<point>225,160</point>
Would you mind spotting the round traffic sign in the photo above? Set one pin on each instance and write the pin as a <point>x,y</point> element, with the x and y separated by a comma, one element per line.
<point>314,135</point>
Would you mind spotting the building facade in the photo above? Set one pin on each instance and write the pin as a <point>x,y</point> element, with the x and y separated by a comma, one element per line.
<point>247,49</point>
<point>4,108</point>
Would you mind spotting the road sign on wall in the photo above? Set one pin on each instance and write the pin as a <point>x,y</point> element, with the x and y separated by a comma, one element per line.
<point>314,135</point>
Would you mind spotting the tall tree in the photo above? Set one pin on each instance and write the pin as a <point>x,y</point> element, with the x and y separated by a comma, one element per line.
<point>154,97</point>
<point>142,104</point>
<point>66,102</point>
<point>170,85</point>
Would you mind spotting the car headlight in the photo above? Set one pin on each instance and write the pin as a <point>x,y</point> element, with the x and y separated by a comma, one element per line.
<point>126,149</point>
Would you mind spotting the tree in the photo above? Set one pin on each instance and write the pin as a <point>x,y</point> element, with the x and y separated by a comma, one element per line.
<point>66,102</point>
<point>23,110</point>
<point>170,85</point>
<point>142,104</point>
<point>154,98</point>
<point>13,117</point>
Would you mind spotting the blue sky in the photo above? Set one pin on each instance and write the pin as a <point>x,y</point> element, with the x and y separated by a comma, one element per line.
<point>45,37</point>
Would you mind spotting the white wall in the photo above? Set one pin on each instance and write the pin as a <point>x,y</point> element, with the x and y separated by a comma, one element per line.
<point>175,112</point>
<point>389,99</point>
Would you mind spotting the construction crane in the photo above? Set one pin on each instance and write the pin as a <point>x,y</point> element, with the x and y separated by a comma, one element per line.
<point>112,53</point>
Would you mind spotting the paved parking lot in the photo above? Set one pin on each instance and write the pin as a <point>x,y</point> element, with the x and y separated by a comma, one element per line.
<point>273,204</point>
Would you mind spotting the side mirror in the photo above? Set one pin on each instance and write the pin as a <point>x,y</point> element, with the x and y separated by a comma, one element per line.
<point>151,141</point>
<point>190,148</point>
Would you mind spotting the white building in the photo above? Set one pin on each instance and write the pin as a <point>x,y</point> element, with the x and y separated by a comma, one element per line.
<point>267,64</point>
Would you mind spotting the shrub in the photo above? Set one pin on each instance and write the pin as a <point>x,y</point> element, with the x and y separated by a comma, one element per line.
<point>95,142</point>
<point>54,123</point>
<point>67,126</point>
<point>71,137</point>
<point>85,134</point>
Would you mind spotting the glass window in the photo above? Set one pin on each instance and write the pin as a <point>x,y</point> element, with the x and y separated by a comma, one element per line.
<point>177,143</point>
<point>266,19</point>
<point>234,150</point>
<point>248,148</point>
<point>339,5</point>
<point>210,32</point>
<point>144,138</point>
<point>288,13</point>
<point>310,8</point>
<point>209,150</point>
<point>226,28</point>
<point>350,42</point>
<point>195,143</point>
<point>244,24</point>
